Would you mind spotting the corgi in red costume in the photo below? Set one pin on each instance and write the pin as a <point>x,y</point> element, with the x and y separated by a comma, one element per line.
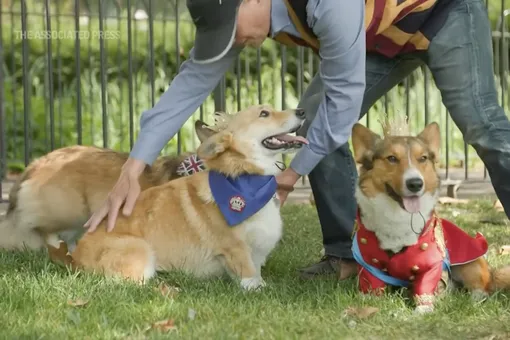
<point>399,240</point>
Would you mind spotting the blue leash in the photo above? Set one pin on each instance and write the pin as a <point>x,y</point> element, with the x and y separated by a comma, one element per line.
<point>378,273</point>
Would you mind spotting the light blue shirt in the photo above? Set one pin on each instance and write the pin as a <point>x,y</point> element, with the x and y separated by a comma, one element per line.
<point>339,26</point>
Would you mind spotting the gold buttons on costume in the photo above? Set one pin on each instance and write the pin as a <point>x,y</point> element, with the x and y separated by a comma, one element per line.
<point>375,260</point>
<point>415,268</point>
<point>385,269</point>
<point>363,240</point>
<point>424,246</point>
<point>411,278</point>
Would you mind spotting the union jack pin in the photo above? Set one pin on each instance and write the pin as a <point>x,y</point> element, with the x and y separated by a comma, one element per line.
<point>190,165</point>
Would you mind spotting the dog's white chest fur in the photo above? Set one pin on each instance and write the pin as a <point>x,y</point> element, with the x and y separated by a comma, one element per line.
<point>263,231</point>
<point>394,227</point>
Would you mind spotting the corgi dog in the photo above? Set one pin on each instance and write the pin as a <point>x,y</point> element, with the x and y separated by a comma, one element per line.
<point>399,240</point>
<point>57,192</point>
<point>224,220</point>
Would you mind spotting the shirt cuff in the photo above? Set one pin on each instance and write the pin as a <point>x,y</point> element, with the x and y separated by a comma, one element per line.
<point>143,149</point>
<point>305,160</point>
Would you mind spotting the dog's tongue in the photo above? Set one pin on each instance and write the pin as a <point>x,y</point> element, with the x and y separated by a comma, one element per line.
<point>289,138</point>
<point>411,204</point>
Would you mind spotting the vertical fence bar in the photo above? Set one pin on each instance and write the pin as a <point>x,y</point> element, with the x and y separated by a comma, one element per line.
<point>120,81</point>
<point>259,76</point>
<point>77,52</point>
<point>15,124</point>
<point>219,96</point>
<point>283,51</point>
<point>151,47</point>
<point>50,77</point>
<point>130,77</point>
<point>26,84</point>
<point>59,79</point>
<point>238,82</point>
<point>426,94</point>
<point>466,161</point>
<point>300,75</point>
<point>45,84</point>
<point>249,82</point>
<point>3,135</point>
<point>91,74</point>
<point>103,76</point>
<point>447,141</point>
<point>178,62</point>
<point>502,52</point>
<point>408,96</point>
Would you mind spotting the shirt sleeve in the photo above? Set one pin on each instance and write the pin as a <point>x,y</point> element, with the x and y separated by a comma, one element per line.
<point>339,26</point>
<point>186,93</point>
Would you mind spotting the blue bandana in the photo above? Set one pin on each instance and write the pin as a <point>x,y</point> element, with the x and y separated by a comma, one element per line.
<point>241,197</point>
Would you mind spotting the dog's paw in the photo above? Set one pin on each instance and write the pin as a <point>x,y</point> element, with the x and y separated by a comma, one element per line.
<point>479,295</point>
<point>424,309</point>
<point>252,283</point>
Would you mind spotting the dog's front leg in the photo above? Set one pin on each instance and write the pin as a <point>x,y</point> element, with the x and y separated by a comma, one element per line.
<point>239,262</point>
<point>368,283</point>
<point>424,287</point>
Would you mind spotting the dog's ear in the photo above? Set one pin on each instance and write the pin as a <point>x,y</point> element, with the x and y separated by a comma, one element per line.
<point>203,130</point>
<point>215,145</point>
<point>431,136</point>
<point>363,141</point>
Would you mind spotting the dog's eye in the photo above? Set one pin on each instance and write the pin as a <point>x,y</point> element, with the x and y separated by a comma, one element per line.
<point>422,159</point>
<point>392,159</point>
<point>264,114</point>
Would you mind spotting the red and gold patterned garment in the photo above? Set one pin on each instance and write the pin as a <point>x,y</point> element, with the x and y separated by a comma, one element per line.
<point>419,265</point>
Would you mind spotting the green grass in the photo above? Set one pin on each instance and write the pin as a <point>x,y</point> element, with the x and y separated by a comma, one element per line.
<point>34,295</point>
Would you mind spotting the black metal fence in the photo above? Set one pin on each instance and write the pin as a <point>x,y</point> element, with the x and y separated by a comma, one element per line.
<point>82,72</point>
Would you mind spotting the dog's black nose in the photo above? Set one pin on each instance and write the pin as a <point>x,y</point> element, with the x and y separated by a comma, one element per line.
<point>414,184</point>
<point>300,113</point>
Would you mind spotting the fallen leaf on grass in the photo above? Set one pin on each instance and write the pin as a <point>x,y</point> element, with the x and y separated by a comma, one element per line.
<point>449,200</point>
<point>191,314</point>
<point>168,291</point>
<point>163,325</point>
<point>77,302</point>
<point>361,312</point>
<point>498,206</point>
<point>504,250</point>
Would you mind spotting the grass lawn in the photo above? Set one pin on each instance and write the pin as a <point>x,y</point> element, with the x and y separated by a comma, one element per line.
<point>41,300</point>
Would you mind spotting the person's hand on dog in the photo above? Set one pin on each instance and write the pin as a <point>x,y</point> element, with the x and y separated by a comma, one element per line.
<point>126,191</point>
<point>286,181</point>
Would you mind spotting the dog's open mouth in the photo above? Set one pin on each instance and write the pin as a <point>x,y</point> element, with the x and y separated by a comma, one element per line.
<point>411,204</point>
<point>284,141</point>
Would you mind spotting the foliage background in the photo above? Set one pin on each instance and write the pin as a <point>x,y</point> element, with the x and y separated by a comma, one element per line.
<point>284,74</point>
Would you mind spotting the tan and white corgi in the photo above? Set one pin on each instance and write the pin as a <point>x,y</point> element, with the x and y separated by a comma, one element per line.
<point>57,192</point>
<point>225,219</point>
<point>399,239</point>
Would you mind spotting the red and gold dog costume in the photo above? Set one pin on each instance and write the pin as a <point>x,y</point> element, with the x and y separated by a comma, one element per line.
<point>441,244</point>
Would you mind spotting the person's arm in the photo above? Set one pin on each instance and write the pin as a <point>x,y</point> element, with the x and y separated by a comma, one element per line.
<point>186,93</point>
<point>339,26</point>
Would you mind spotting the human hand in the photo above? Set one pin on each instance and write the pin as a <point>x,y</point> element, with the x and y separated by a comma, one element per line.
<point>125,191</point>
<point>286,181</point>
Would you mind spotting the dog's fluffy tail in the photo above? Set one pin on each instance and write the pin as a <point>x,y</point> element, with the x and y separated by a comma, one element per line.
<point>500,279</point>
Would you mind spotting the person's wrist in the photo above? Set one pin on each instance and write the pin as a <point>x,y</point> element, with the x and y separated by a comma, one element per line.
<point>133,167</point>
<point>293,175</point>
